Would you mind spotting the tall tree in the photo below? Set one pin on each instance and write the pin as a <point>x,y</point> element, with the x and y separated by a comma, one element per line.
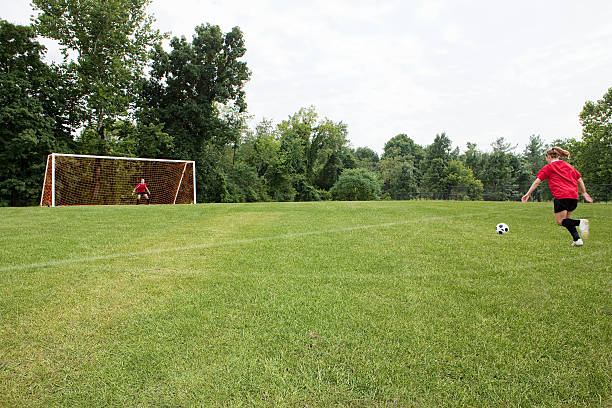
<point>499,177</point>
<point>398,178</point>
<point>534,154</point>
<point>403,146</point>
<point>33,119</point>
<point>106,45</point>
<point>460,182</point>
<point>433,180</point>
<point>532,161</point>
<point>474,159</point>
<point>593,155</point>
<point>260,150</point>
<point>437,156</point>
<point>314,151</point>
<point>400,167</point>
<point>196,91</point>
<point>440,148</point>
<point>367,158</point>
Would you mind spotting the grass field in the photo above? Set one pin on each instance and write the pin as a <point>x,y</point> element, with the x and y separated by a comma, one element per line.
<point>384,304</point>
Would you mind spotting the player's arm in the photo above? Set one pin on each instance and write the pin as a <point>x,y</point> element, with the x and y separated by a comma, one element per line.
<point>535,185</point>
<point>586,195</point>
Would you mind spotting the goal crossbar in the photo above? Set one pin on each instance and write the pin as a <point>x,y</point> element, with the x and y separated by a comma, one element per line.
<point>120,158</point>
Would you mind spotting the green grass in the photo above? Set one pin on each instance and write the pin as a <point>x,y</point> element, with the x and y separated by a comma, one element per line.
<point>384,304</point>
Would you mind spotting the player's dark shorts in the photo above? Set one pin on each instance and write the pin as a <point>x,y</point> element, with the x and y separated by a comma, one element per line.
<point>565,204</point>
<point>141,192</point>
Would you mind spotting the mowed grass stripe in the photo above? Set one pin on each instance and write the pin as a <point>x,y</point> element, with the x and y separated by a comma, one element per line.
<point>220,244</point>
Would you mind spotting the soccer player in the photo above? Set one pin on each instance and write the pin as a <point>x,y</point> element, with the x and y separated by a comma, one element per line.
<point>142,190</point>
<point>562,180</point>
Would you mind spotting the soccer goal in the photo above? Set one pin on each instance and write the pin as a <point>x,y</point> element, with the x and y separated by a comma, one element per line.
<point>76,179</point>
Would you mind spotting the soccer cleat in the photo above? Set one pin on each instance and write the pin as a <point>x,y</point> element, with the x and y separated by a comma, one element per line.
<point>584,228</point>
<point>578,243</point>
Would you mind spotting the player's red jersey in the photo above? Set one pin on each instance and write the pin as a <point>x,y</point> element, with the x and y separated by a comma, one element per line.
<point>561,178</point>
<point>141,187</point>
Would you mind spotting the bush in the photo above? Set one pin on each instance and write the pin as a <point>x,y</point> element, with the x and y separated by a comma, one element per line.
<point>356,185</point>
<point>324,195</point>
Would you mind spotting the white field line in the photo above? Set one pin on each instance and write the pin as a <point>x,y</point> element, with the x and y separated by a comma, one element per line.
<point>216,244</point>
<point>191,247</point>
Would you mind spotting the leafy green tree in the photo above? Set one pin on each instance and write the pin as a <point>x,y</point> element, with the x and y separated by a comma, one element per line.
<point>593,154</point>
<point>140,140</point>
<point>433,185</point>
<point>356,185</point>
<point>337,161</point>
<point>195,90</point>
<point>400,167</point>
<point>532,161</point>
<point>439,149</point>
<point>533,155</point>
<point>261,151</point>
<point>108,44</point>
<point>366,158</point>
<point>330,172</point>
<point>521,179</point>
<point>398,178</point>
<point>243,184</point>
<point>33,119</point>
<point>460,182</point>
<point>279,183</point>
<point>349,161</point>
<point>437,155</point>
<point>567,144</point>
<point>474,159</point>
<point>499,175</point>
<point>189,84</point>
<point>328,141</point>
<point>313,151</point>
<point>401,146</point>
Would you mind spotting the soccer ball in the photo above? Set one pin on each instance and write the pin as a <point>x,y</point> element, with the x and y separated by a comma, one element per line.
<point>502,228</point>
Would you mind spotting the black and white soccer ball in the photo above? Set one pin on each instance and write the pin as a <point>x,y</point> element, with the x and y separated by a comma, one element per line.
<point>502,228</point>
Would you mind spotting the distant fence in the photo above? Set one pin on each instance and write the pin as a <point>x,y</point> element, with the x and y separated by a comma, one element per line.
<point>511,192</point>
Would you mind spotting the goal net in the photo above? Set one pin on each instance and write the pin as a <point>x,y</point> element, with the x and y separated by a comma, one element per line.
<point>73,179</point>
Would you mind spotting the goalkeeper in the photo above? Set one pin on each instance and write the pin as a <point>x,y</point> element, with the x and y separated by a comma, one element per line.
<point>142,190</point>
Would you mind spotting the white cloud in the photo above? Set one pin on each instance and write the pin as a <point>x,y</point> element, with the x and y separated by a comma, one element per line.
<point>430,10</point>
<point>473,68</point>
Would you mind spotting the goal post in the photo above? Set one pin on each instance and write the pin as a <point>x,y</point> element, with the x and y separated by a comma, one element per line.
<point>78,179</point>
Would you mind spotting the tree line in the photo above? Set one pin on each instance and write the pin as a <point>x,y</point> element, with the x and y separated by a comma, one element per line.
<point>119,92</point>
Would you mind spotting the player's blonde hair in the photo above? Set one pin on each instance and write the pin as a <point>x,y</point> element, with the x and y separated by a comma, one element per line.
<point>556,152</point>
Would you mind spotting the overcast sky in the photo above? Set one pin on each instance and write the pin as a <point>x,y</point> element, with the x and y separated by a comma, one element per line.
<point>476,70</point>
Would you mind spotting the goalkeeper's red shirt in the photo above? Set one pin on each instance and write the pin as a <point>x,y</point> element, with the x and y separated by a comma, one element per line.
<point>141,187</point>
<point>562,179</point>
